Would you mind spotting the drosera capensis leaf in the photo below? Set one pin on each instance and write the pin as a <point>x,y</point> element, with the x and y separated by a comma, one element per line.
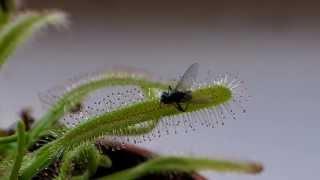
<point>184,164</point>
<point>23,26</point>
<point>77,93</point>
<point>87,155</point>
<point>69,98</point>
<point>21,149</point>
<point>104,100</point>
<point>53,95</point>
<point>113,123</point>
<point>8,139</point>
<point>189,121</point>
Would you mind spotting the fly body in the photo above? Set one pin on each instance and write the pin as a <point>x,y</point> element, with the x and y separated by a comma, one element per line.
<point>181,94</point>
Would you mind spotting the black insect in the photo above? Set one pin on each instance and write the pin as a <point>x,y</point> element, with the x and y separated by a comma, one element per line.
<point>181,94</point>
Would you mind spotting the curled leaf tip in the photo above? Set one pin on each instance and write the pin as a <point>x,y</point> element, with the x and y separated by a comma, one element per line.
<point>23,26</point>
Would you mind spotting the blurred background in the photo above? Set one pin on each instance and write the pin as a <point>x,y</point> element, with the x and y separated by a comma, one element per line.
<point>274,45</point>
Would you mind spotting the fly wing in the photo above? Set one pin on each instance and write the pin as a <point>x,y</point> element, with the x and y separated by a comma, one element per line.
<point>188,78</point>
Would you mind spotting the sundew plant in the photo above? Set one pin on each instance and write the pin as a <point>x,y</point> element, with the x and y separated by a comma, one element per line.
<point>121,107</point>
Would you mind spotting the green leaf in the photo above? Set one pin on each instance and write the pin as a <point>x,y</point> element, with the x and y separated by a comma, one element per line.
<point>8,139</point>
<point>113,123</point>
<point>110,123</point>
<point>22,27</point>
<point>188,165</point>
<point>21,149</point>
<point>74,96</point>
<point>85,154</point>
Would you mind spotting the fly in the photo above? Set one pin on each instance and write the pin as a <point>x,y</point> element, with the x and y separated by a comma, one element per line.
<point>181,94</point>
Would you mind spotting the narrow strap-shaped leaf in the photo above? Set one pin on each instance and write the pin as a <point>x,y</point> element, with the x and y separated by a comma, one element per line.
<point>8,139</point>
<point>180,164</point>
<point>22,28</point>
<point>86,154</point>
<point>106,123</point>
<point>66,101</point>
<point>20,151</point>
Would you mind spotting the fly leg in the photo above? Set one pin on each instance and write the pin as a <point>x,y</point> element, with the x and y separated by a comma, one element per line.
<point>169,89</point>
<point>179,107</point>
